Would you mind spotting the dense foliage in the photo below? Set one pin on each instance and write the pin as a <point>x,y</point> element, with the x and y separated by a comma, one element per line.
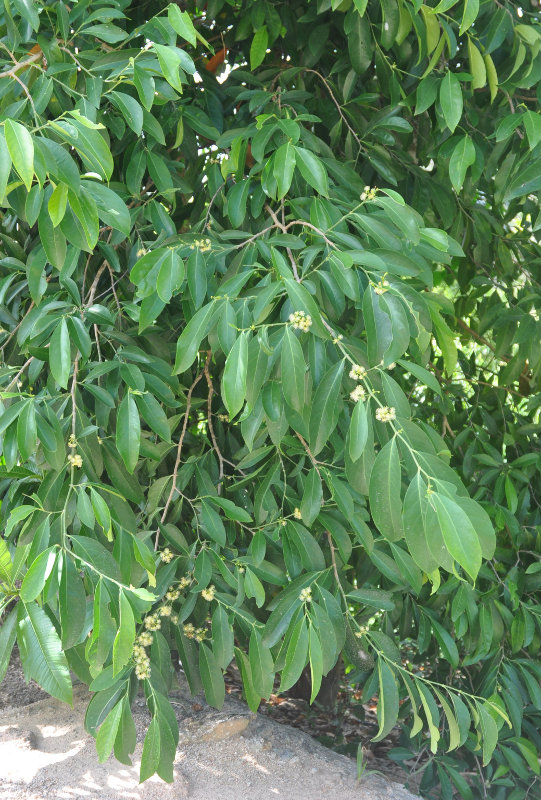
<point>271,364</point>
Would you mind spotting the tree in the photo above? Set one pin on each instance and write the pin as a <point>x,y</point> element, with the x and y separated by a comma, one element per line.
<point>255,257</point>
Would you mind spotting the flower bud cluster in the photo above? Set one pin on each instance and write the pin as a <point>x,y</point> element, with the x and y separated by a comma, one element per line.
<point>191,632</point>
<point>358,393</point>
<point>167,555</point>
<point>203,245</point>
<point>301,321</point>
<point>357,372</point>
<point>208,593</point>
<point>306,595</point>
<point>369,193</point>
<point>75,460</point>
<point>142,662</point>
<point>385,413</point>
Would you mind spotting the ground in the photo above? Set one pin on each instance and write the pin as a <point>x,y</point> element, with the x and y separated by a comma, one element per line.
<point>231,755</point>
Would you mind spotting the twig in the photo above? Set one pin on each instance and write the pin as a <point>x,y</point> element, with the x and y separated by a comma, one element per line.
<point>209,421</point>
<point>18,375</point>
<point>179,453</point>
<point>335,568</point>
<point>10,73</point>
<point>337,104</point>
<point>72,393</point>
<point>309,453</point>
<point>313,228</point>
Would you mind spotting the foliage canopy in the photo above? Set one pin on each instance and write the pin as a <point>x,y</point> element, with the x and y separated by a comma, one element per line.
<point>254,407</point>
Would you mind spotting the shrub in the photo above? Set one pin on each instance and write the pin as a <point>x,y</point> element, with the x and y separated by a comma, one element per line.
<point>255,258</point>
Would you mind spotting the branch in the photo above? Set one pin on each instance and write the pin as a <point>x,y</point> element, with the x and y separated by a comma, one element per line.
<point>209,420</point>
<point>13,383</point>
<point>179,453</point>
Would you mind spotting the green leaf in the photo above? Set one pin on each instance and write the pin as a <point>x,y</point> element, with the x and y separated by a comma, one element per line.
<point>95,557</point>
<point>316,662</point>
<point>125,637</point>
<point>5,165</point>
<point>489,732</point>
<point>108,732</point>
<point>384,493</point>
<point>375,598</point>
<point>72,603</point>
<point>297,653</point>
<point>212,523</point>
<point>284,167</point>
<point>258,48</point>
<point>312,497</point>
<point>38,572</point>
<point>252,697</point>
<point>8,633</point>
<point>21,150</point>
<point>388,707</point>
<point>150,757</point>
<point>211,676</point>
<point>181,23</point>
<point>358,430</point>
<point>234,377</point>
<point>469,15</point>
<point>302,300</point>
<point>130,110</point>
<point>190,339</point>
<point>477,66</point>
<point>154,415</point>
<point>293,368</point>
<point>57,203</point>
<point>458,533</point>
<point>416,528</point>
<point>6,564</point>
<point>237,198</point>
<point>41,652</point>
<point>128,432</point>
<point>261,665</point>
<point>463,156</point>
<point>170,276</point>
<point>451,100</point>
<point>53,240</point>
<point>422,374</point>
<point>323,414</point>
<point>59,354</point>
<point>312,170</point>
<point>170,63</point>
<point>360,43</point>
<point>222,637</point>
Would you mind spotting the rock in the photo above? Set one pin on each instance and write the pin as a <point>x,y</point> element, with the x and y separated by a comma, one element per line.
<point>229,755</point>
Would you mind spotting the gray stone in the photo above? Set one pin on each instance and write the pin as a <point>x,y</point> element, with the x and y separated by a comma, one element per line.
<point>227,755</point>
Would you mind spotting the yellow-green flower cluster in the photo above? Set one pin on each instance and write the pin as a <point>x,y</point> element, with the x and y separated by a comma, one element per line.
<point>297,513</point>
<point>204,245</point>
<point>381,287</point>
<point>167,555</point>
<point>75,460</point>
<point>306,595</point>
<point>153,622</point>
<point>357,372</point>
<point>385,413</point>
<point>369,193</point>
<point>172,594</point>
<point>142,662</point>
<point>145,639</point>
<point>301,321</point>
<point>358,393</point>
<point>208,593</point>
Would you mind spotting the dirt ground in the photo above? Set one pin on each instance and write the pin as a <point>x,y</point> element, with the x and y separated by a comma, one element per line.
<point>45,754</point>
